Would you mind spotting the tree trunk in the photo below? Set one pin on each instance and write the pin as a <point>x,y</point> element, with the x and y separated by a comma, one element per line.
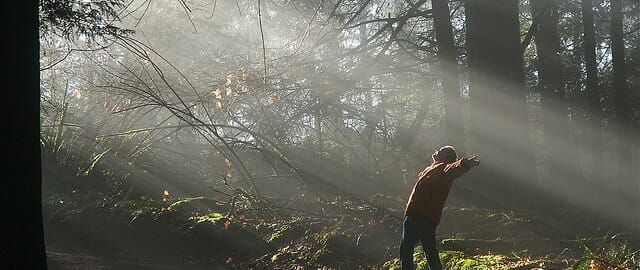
<point>593,92</point>
<point>454,129</point>
<point>550,83</point>
<point>499,118</point>
<point>622,106</point>
<point>628,187</point>
<point>22,245</point>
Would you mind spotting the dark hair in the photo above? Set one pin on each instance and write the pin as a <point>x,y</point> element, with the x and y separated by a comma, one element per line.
<point>449,153</point>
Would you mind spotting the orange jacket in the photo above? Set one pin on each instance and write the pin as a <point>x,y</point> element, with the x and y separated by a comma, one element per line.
<point>432,188</point>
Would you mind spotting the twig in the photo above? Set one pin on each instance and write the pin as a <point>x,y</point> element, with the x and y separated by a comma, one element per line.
<point>264,49</point>
<point>71,51</point>
<point>240,11</point>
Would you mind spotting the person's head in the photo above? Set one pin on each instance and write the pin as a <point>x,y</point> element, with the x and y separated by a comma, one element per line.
<point>445,154</point>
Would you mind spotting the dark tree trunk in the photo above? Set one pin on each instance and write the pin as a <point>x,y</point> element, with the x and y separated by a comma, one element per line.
<point>629,186</point>
<point>454,129</point>
<point>550,83</point>
<point>593,92</point>
<point>499,118</point>
<point>622,106</point>
<point>22,244</point>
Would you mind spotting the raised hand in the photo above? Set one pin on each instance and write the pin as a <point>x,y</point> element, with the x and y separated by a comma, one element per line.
<point>473,161</point>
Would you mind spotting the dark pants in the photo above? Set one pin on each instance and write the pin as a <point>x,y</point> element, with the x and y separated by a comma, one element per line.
<point>417,228</point>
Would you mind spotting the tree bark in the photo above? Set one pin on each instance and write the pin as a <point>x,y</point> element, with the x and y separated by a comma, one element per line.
<point>550,83</point>
<point>593,92</point>
<point>622,106</point>
<point>22,245</point>
<point>499,118</point>
<point>629,187</point>
<point>447,54</point>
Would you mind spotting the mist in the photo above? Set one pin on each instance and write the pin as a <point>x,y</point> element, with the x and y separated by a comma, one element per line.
<point>289,134</point>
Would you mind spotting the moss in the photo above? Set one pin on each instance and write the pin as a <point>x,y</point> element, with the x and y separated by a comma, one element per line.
<point>212,217</point>
<point>418,258</point>
<point>453,260</point>
<point>278,233</point>
<point>478,262</point>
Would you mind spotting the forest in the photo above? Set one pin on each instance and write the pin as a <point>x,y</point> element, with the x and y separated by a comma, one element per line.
<point>280,134</point>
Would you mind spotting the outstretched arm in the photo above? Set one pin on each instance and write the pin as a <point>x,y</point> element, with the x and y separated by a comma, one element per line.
<point>473,161</point>
<point>461,166</point>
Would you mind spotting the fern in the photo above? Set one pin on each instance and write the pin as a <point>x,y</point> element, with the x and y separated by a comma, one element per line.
<point>610,253</point>
<point>582,264</point>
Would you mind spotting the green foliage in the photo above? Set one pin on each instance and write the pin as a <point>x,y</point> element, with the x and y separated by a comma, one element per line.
<point>418,258</point>
<point>212,217</point>
<point>88,19</point>
<point>447,256</point>
<point>479,262</point>
<point>582,264</point>
<point>334,246</point>
<point>278,233</point>
<point>609,253</point>
<point>521,255</point>
<point>184,201</point>
<point>392,264</point>
<point>453,260</point>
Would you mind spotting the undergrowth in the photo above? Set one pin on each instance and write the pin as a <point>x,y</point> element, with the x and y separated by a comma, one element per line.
<point>454,260</point>
<point>611,253</point>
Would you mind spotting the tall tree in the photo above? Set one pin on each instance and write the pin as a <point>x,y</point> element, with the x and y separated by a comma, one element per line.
<point>22,245</point>
<point>447,55</point>
<point>593,91</point>
<point>619,69</point>
<point>498,99</point>
<point>629,186</point>
<point>550,85</point>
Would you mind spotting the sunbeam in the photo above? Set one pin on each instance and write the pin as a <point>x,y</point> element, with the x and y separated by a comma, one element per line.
<point>274,134</point>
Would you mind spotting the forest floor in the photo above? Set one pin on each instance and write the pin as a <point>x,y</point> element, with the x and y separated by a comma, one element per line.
<point>326,234</point>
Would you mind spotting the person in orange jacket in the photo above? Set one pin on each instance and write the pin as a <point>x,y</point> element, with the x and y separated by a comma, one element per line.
<point>425,204</point>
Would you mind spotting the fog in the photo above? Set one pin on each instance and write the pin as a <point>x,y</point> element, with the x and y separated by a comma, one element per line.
<point>294,104</point>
